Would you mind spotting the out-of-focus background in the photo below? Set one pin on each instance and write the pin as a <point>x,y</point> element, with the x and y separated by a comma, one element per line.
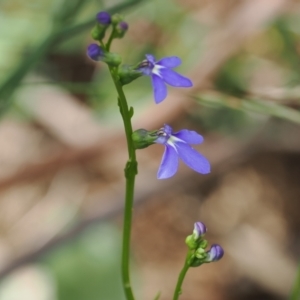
<point>62,150</point>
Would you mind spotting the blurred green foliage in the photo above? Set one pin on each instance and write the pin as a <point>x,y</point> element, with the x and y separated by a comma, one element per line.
<point>89,266</point>
<point>232,78</point>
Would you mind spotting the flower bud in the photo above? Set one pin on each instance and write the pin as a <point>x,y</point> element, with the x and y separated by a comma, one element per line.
<point>98,32</point>
<point>203,244</point>
<point>112,59</point>
<point>200,253</point>
<point>199,230</point>
<point>123,26</point>
<point>215,253</point>
<point>120,29</point>
<point>103,21</point>
<point>116,18</point>
<point>96,53</point>
<point>191,242</point>
<point>196,262</point>
<point>143,138</point>
<point>103,18</point>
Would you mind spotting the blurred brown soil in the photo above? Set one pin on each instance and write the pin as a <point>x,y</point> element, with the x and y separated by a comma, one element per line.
<point>63,165</point>
<point>253,211</point>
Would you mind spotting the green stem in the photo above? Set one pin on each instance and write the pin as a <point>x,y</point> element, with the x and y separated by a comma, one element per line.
<point>130,173</point>
<point>110,39</point>
<point>295,294</point>
<point>181,277</point>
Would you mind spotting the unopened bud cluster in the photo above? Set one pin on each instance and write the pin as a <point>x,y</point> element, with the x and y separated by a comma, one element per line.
<point>104,21</point>
<point>197,244</point>
<point>100,51</point>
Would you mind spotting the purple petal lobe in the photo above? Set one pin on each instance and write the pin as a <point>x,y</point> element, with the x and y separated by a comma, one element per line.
<point>159,88</point>
<point>169,62</point>
<point>161,140</point>
<point>174,79</point>
<point>150,58</point>
<point>169,164</point>
<point>168,129</point>
<point>192,158</point>
<point>190,137</point>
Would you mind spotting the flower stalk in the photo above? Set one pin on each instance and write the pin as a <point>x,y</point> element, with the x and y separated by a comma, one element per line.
<point>177,144</point>
<point>186,266</point>
<point>197,255</point>
<point>130,173</point>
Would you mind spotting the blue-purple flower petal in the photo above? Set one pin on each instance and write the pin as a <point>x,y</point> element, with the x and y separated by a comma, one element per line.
<point>190,137</point>
<point>169,62</point>
<point>192,158</point>
<point>150,58</point>
<point>169,164</point>
<point>163,138</point>
<point>174,79</point>
<point>159,88</point>
<point>168,129</point>
<point>162,69</point>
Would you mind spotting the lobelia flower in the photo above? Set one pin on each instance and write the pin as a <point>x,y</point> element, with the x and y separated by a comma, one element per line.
<point>215,253</point>
<point>177,146</point>
<point>161,73</point>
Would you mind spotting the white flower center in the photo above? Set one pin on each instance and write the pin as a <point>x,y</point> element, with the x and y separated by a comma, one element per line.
<point>173,140</point>
<point>156,69</point>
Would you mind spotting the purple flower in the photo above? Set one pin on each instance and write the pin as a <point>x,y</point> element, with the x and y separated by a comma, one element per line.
<point>177,146</point>
<point>199,229</point>
<point>103,18</point>
<point>215,253</point>
<point>95,52</point>
<point>161,73</point>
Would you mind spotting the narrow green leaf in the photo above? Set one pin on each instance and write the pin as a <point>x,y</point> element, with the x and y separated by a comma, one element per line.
<point>262,106</point>
<point>157,296</point>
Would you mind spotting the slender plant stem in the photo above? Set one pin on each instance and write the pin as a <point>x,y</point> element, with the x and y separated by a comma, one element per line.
<point>130,173</point>
<point>110,39</point>
<point>181,277</point>
<point>295,294</point>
